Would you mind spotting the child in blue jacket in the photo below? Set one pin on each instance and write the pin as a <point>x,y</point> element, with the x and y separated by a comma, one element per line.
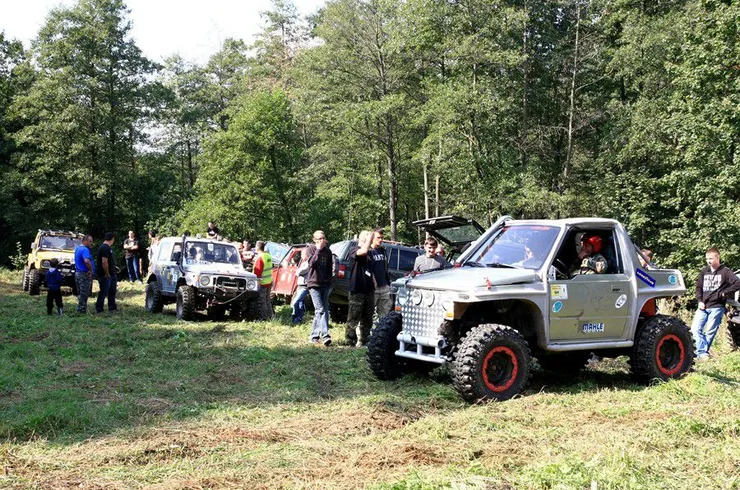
<point>54,286</point>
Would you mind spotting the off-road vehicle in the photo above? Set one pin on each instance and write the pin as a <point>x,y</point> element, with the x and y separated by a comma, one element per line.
<point>208,276</point>
<point>51,244</point>
<point>512,296</point>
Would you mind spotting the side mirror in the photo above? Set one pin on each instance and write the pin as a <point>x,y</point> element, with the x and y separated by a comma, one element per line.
<point>33,246</point>
<point>551,273</point>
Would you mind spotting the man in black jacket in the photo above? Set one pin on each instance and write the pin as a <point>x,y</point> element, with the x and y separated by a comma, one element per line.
<point>318,283</point>
<point>361,293</point>
<point>714,285</point>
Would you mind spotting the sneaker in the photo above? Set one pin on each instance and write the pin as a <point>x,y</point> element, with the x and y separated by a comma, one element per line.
<point>327,341</point>
<point>360,345</point>
<point>315,341</point>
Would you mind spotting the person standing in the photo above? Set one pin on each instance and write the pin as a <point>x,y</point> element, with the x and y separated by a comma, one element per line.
<point>430,260</point>
<point>715,284</point>
<point>263,270</point>
<point>213,230</point>
<point>318,283</point>
<point>298,302</point>
<point>54,280</point>
<point>131,246</point>
<point>152,249</point>
<point>378,262</point>
<point>84,270</point>
<point>361,293</point>
<point>107,280</point>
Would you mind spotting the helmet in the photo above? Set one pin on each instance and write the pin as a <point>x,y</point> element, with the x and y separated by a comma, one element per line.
<point>593,240</point>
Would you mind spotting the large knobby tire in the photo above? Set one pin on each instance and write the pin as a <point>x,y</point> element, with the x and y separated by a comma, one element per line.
<point>236,311</point>
<point>567,363</point>
<point>493,363</point>
<point>153,302</point>
<point>256,309</point>
<point>34,282</point>
<point>381,348</point>
<point>25,281</point>
<point>185,306</point>
<point>338,313</point>
<point>733,335</point>
<point>664,349</point>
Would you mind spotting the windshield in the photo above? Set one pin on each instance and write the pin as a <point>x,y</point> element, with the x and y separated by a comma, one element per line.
<point>277,251</point>
<point>59,242</point>
<point>522,246</point>
<point>209,252</point>
<point>458,234</point>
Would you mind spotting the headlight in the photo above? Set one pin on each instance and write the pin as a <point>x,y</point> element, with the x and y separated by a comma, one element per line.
<point>429,299</point>
<point>447,303</point>
<point>45,263</point>
<point>416,296</point>
<point>205,280</point>
<point>402,297</point>
<point>251,284</point>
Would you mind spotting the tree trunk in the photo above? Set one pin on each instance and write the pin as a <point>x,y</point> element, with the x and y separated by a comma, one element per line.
<point>569,150</point>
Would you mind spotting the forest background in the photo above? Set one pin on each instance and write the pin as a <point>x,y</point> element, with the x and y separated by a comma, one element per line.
<point>381,112</point>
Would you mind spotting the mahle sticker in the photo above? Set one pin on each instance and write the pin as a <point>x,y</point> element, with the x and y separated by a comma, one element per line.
<point>620,301</point>
<point>557,306</point>
<point>593,327</point>
<point>558,291</point>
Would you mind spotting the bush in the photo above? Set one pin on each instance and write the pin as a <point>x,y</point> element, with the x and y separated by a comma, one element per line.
<point>18,261</point>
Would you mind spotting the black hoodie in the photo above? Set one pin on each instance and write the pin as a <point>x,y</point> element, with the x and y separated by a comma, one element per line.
<point>713,288</point>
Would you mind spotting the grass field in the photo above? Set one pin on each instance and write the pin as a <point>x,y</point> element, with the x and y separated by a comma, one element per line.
<point>132,400</point>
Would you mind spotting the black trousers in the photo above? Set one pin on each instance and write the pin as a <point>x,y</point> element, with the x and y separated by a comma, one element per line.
<point>51,298</point>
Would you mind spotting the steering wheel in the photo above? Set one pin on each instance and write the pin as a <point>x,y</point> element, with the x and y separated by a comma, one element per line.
<point>561,270</point>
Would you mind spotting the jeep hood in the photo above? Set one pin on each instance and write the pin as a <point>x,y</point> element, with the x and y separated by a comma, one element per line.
<point>218,268</point>
<point>467,278</point>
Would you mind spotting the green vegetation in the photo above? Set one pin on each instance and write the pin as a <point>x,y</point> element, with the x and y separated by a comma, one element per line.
<point>135,400</point>
<point>379,112</point>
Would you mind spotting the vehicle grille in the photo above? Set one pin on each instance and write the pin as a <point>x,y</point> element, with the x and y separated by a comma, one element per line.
<point>234,283</point>
<point>421,320</point>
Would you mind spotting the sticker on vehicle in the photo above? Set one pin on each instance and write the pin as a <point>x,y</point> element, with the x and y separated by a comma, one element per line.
<point>557,306</point>
<point>672,279</point>
<point>558,291</point>
<point>620,301</point>
<point>593,327</point>
<point>644,277</point>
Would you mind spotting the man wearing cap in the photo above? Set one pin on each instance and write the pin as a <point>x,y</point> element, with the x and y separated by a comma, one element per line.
<point>589,260</point>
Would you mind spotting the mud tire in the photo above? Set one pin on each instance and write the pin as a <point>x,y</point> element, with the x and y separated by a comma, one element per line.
<point>733,335</point>
<point>664,349</point>
<point>34,282</point>
<point>338,313</point>
<point>25,281</point>
<point>493,363</point>
<point>185,305</point>
<point>153,302</point>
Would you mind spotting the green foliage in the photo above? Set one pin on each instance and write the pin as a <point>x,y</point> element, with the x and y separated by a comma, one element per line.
<point>18,261</point>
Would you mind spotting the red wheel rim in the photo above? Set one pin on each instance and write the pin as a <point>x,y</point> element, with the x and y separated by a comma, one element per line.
<point>500,369</point>
<point>670,355</point>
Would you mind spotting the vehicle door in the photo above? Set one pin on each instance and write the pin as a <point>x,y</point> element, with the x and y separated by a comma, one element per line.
<point>592,307</point>
<point>169,255</point>
<point>285,279</point>
<point>406,261</point>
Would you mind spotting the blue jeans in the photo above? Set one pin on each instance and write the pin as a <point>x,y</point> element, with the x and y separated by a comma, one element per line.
<point>299,304</point>
<point>320,326</point>
<point>132,264</point>
<point>108,289</point>
<point>704,328</point>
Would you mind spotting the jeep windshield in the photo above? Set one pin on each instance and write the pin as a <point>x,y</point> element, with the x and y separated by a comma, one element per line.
<point>521,246</point>
<point>65,243</point>
<point>210,252</point>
